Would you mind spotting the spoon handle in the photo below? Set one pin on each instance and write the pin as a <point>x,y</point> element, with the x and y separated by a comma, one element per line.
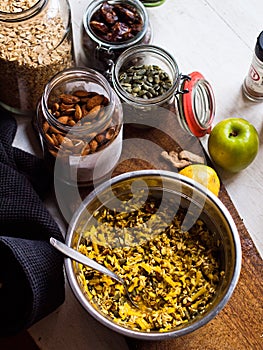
<point>77,256</point>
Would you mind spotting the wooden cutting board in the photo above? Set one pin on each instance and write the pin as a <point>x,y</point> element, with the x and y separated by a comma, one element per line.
<point>239,326</point>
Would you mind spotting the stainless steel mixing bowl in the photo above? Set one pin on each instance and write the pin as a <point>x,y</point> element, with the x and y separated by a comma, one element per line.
<point>199,203</point>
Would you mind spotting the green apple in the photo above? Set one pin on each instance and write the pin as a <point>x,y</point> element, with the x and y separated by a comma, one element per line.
<point>233,144</point>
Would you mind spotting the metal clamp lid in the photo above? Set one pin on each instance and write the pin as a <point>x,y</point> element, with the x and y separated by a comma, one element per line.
<point>196,104</point>
<point>106,55</point>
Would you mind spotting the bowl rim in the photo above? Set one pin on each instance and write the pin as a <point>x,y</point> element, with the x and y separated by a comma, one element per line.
<point>181,330</point>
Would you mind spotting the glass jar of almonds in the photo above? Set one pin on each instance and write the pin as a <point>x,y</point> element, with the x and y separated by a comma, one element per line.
<point>148,82</point>
<point>79,120</point>
<point>109,28</point>
<point>35,43</point>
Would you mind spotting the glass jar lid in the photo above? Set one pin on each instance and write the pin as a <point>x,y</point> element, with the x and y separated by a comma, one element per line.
<point>196,104</point>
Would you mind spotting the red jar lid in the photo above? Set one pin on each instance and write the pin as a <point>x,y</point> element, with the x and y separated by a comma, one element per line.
<point>196,104</point>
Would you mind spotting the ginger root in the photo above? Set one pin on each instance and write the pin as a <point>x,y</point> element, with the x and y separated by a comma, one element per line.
<point>182,159</point>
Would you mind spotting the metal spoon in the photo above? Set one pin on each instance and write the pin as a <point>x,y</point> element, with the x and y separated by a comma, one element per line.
<point>77,256</point>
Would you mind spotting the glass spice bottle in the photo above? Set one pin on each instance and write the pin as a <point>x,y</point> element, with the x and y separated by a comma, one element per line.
<point>253,83</point>
<point>35,43</point>
<point>148,82</point>
<point>79,121</point>
<point>109,28</point>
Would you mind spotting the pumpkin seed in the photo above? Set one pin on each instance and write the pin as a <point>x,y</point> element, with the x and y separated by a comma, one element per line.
<point>145,81</point>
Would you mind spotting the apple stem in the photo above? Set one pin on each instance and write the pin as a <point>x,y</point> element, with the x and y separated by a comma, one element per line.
<point>233,133</point>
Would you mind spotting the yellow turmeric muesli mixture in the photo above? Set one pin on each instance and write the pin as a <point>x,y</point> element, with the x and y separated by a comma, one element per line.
<point>171,274</point>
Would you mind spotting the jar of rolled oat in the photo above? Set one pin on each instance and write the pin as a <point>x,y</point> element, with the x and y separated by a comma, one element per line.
<point>109,28</point>
<point>79,120</point>
<point>148,81</point>
<point>35,43</point>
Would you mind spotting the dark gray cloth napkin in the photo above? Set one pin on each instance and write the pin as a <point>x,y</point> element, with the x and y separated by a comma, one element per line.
<point>31,270</point>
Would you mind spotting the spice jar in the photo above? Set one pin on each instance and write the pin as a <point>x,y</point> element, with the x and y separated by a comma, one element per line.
<point>253,83</point>
<point>109,28</point>
<point>79,119</point>
<point>147,80</point>
<point>35,43</point>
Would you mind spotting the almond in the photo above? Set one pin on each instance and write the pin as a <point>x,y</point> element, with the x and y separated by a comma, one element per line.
<point>45,127</point>
<point>78,112</point>
<point>93,145</point>
<point>69,99</point>
<point>63,120</point>
<point>65,107</point>
<point>81,93</point>
<point>60,138</point>
<point>94,112</point>
<point>95,101</point>
<point>49,139</point>
<point>110,133</point>
<point>85,151</point>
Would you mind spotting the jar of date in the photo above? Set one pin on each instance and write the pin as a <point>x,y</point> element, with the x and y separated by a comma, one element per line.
<point>109,28</point>
<point>148,81</point>
<point>79,121</point>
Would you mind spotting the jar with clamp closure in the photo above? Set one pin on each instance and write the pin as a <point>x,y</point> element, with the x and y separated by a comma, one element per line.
<point>148,82</point>
<point>109,28</point>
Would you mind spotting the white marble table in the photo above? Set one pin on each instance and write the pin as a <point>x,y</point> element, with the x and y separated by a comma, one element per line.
<point>216,38</point>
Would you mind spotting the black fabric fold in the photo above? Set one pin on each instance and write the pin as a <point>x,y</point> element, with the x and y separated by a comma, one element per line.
<point>31,270</point>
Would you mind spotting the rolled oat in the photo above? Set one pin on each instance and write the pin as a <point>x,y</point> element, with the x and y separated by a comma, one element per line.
<point>31,50</point>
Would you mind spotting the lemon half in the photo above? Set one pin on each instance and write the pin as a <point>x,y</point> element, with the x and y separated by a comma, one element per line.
<point>203,174</point>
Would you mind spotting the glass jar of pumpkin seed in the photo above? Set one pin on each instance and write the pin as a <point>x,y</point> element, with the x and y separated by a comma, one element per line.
<point>150,85</point>
<point>35,43</point>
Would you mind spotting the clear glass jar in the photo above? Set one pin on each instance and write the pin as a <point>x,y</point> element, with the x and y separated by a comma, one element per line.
<point>79,120</point>
<point>35,43</point>
<point>100,54</point>
<point>146,101</point>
